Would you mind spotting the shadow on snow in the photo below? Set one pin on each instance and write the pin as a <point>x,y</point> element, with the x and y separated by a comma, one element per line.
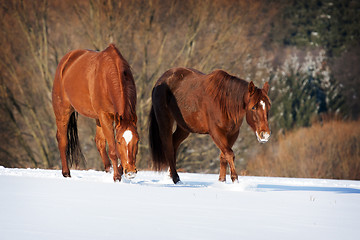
<point>307,188</point>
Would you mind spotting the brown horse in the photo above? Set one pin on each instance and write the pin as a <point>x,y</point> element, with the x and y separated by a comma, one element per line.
<point>212,104</point>
<point>98,85</point>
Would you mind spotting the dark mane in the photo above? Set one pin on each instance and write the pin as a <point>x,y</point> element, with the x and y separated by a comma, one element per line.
<point>128,83</point>
<point>228,91</point>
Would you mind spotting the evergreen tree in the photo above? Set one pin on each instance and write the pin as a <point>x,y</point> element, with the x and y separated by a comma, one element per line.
<point>301,91</point>
<point>332,25</point>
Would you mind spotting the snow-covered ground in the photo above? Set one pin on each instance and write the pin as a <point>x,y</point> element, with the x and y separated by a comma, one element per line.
<point>41,204</point>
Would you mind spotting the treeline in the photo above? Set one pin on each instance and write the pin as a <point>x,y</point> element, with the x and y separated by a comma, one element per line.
<point>254,40</point>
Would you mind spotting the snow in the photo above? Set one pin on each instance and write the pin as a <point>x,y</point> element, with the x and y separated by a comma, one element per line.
<point>41,204</point>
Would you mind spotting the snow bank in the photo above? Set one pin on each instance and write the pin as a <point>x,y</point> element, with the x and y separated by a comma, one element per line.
<point>41,204</point>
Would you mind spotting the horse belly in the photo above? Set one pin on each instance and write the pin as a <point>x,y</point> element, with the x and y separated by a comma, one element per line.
<point>192,114</point>
<point>196,122</point>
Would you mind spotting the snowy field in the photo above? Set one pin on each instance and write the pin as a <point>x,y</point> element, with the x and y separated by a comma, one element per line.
<point>41,204</point>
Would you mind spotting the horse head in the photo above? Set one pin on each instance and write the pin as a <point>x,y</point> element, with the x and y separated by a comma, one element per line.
<point>127,139</point>
<point>257,105</point>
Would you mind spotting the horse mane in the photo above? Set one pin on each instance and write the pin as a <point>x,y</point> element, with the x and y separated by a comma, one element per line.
<point>228,91</point>
<point>127,82</point>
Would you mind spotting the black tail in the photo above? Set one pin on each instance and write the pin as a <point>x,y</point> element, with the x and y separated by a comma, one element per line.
<point>156,146</point>
<point>73,150</point>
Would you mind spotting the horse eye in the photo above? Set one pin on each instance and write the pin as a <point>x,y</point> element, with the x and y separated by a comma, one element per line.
<point>254,108</point>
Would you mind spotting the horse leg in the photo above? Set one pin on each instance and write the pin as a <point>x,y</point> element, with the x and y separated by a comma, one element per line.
<point>178,137</point>
<point>101,146</point>
<point>170,156</point>
<point>106,122</point>
<point>227,155</point>
<point>165,122</point>
<point>169,151</point>
<point>61,136</point>
<point>231,140</point>
<point>223,166</point>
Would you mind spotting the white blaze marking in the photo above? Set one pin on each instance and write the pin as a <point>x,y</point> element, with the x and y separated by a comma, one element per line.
<point>127,136</point>
<point>262,104</point>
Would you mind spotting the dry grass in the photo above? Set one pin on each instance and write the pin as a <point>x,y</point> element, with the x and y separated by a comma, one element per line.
<point>329,150</point>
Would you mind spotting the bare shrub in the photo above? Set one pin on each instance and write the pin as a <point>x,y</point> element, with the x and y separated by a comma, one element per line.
<point>328,150</point>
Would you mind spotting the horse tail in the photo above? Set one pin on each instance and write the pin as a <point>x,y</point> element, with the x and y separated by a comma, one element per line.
<point>73,149</point>
<point>156,146</point>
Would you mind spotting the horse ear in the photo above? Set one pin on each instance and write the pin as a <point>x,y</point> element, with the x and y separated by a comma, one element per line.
<point>251,88</point>
<point>266,87</point>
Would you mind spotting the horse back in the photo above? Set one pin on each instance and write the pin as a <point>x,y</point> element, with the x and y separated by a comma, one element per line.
<point>182,89</point>
<point>94,82</point>
<point>199,101</point>
<point>80,80</point>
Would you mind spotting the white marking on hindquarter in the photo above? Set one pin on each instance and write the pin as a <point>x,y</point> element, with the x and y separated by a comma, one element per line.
<point>127,136</point>
<point>262,104</point>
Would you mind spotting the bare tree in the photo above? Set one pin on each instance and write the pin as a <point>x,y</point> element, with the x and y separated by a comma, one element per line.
<point>152,35</point>
<point>27,79</point>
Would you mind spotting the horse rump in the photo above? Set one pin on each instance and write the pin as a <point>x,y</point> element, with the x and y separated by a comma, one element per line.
<point>156,146</point>
<point>73,149</point>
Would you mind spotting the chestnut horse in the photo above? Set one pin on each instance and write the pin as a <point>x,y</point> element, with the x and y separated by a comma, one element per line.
<point>213,104</point>
<point>98,85</point>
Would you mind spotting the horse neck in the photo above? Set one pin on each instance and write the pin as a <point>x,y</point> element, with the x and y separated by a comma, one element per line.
<point>121,86</point>
<point>129,92</point>
<point>229,92</point>
<point>235,102</point>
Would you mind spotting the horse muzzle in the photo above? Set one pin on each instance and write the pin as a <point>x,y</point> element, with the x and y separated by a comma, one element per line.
<point>130,174</point>
<point>263,137</point>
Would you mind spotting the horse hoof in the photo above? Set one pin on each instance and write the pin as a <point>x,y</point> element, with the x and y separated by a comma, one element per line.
<point>235,179</point>
<point>221,179</point>
<point>117,178</point>
<point>66,174</point>
<point>176,180</point>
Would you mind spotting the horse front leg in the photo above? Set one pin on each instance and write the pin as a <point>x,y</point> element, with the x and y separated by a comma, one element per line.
<point>106,122</point>
<point>229,157</point>
<point>101,146</point>
<point>223,166</point>
<point>225,143</point>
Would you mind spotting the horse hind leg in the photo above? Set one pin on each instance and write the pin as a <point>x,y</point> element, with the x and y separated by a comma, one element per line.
<point>178,137</point>
<point>100,141</point>
<point>68,142</point>
<point>61,136</point>
<point>169,151</point>
<point>165,126</point>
